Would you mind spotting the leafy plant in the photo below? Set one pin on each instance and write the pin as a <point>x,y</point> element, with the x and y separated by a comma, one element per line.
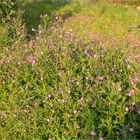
<point>7,9</point>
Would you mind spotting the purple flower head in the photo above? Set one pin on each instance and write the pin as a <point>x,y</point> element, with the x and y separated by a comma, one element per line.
<point>56,17</point>
<point>129,93</point>
<point>100,77</point>
<point>101,138</point>
<point>131,129</point>
<point>92,133</point>
<point>133,103</point>
<point>26,111</point>
<point>138,111</point>
<point>133,80</point>
<point>88,55</point>
<point>78,126</point>
<point>119,89</point>
<point>96,57</point>
<point>81,99</point>
<point>126,109</point>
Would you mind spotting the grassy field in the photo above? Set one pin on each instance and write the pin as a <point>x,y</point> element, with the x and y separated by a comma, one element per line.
<point>72,72</point>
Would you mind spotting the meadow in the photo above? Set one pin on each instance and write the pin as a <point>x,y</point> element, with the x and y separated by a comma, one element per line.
<point>69,70</point>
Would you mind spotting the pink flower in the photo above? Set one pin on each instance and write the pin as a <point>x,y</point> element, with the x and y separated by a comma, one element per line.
<point>88,55</point>
<point>39,31</point>
<point>131,129</point>
<point>45,15</point>
<point>56,17</point>
<point>138,111</point>
<point>100,77</point>
<point>91,47</point>
<point>92,133</point>
<point>78,126</point>
<point>96,57</point>
<point>24,52</point>
<point>12,80</point>
<point>133,103</point>
<point>126,109</point>
<point>101,138</point>
<point>31,60</point>
<point>119,89</point>
<point>133,80</point>
<point>113,84</point>
<point>63,101</point>
<point>129,93</point>
<point>49,96</point>
<point>128,66</point>
<point>18,62</point>
<point>26,111</point>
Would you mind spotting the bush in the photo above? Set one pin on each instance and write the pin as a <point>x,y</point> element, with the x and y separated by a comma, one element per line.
<point>60,86</point>
<point>7,9</point>
<point>12,31</point>
<point>11,26</point>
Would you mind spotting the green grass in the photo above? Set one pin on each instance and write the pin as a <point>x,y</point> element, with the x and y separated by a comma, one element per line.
<point>107,19</point>
<point>75,78</point>
<point>110,24</point>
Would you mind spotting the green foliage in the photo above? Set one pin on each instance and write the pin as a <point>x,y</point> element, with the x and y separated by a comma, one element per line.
<point>60,86</point>
<point>11,26</point>
<point>7,9</point>
<point>12,30</point>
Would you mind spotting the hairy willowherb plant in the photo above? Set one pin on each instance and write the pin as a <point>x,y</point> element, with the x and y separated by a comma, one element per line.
<point>60,86</point>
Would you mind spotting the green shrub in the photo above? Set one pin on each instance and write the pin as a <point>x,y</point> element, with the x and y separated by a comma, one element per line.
<point>59,86</point>
<point>11,26</point>
<point>7,9</point>
<point>12,31</point>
